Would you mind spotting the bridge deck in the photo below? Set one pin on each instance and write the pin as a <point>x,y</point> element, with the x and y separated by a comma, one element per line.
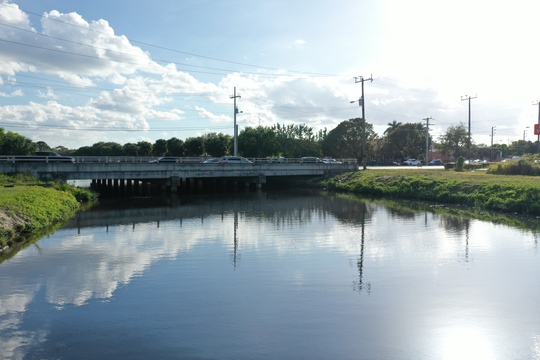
<point>83,170</point>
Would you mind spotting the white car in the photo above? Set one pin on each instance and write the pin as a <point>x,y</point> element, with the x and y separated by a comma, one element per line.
<point>412,162</point>
<point>331,161</point>
<point>233,160</point>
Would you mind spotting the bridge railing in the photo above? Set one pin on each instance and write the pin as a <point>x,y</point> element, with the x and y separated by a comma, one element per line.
<point>153,159</point>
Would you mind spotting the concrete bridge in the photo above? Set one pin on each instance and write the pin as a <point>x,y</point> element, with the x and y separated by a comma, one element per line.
<point>136,175</point>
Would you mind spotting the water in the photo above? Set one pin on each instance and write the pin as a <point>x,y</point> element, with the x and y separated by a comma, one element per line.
<point>272,276</point>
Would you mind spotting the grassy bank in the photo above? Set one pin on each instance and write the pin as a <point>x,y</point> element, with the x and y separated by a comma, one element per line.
<point>504,193</point>
<point>28,206</point>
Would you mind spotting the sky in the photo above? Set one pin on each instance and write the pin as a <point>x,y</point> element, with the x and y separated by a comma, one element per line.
<point>74,73</point>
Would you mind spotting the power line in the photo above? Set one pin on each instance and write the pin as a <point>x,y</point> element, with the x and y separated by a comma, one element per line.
<point>61,127</point>
<point>178,51</point>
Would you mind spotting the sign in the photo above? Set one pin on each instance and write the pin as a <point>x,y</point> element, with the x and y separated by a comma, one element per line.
<point>536,129</point>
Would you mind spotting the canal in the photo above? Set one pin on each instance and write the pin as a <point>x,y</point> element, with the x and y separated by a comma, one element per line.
<point>272,275</point>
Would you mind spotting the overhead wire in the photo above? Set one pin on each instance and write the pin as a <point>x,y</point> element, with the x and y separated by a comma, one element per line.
<point>177,51</point>
<point>383,81</point>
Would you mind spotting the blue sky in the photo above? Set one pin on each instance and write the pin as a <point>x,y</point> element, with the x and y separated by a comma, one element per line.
<point>73,73</point>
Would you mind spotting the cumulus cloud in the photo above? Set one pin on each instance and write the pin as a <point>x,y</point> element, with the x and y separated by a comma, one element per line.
<point>212,117</point>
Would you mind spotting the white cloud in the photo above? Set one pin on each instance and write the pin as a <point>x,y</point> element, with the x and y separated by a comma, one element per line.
<point>212,117</point>
<point>49,94</point>
<point>421,61</point>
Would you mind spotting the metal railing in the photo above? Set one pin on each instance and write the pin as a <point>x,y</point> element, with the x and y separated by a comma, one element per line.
<point>156,159</point>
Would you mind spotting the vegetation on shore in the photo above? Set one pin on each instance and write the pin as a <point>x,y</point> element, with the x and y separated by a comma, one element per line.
<point>28,205</point>
<point>480,189</point>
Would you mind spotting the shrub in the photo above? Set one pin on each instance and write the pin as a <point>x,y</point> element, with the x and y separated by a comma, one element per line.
<point>459,163</point>
<point>520,167</point>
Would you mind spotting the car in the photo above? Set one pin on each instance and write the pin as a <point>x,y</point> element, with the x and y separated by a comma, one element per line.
<point>166,159</point>
<point>435,162</point>
<point>331,161</point>
<point>46,153</point>
<point>310,160</point>
<point>234,160</point>
<point>211,161</point>
<point>412,162</point>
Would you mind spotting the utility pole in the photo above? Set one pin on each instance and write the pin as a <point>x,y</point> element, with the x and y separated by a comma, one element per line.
<point>427,139</point>
<point>492,135</point>
<point>235,126</point>
<point>466,97</point>
<point>537,128</point>
<point>361,102</point>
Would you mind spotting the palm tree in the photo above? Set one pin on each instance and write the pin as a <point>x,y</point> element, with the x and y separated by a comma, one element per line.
<point>392,126</point>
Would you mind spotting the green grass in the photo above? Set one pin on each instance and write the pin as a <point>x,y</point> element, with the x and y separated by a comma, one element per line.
<point>503,193</point>
<point>28,205</point>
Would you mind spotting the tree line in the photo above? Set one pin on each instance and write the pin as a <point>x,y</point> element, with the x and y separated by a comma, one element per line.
<point>398,142</point>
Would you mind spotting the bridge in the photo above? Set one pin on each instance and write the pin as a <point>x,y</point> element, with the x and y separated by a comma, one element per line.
<point>139,174</point>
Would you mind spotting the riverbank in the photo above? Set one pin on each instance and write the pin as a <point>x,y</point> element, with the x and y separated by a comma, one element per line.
<point>503,193</point>
<point>28,206</point>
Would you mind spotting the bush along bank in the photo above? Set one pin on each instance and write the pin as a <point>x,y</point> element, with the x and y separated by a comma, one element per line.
<point>28,206</point>
<point>514,194</point>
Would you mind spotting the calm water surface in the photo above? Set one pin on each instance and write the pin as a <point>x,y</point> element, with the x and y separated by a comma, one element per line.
<point>272,276</point>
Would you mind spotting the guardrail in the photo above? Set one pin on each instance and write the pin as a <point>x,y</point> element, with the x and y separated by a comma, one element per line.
<point>149,159</point>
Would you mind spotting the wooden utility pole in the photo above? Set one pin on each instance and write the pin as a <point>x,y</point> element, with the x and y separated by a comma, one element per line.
<point>467,97</point>
<point>427,139</point>
<point>361,102</point>
<point>537,127</point>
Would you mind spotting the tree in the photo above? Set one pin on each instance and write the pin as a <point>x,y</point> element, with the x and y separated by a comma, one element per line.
<point>405,141</point>
<point>130,149</point>
<point>454,141</point>
<point>258,142</point>
<point>392,126</point>
<point>346,139</point>
<point>145,148</point>
<point>108,149</point>
<point>15,144</point>
<point>175,147</point>
<point>61,150</point>
<point>194,146</point>
<point>521,147</point>
<point>218,144</point>
<point>159,148</point>
<point>42,146</point>
<point>291,140</point>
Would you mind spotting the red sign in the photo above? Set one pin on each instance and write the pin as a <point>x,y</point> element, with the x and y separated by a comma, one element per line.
<point>536,129</point>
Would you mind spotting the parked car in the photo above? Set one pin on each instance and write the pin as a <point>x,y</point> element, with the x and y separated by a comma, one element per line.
<point>435,162</point>
<point>310,160</point>
<point>412,162</point>
<point>234,160</point>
